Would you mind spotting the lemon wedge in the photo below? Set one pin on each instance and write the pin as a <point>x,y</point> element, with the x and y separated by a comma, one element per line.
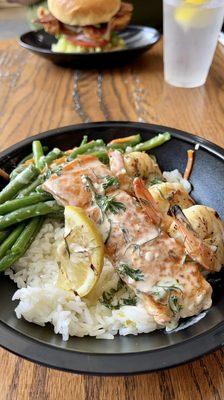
<point>81,254</point>
<point>190,15</point>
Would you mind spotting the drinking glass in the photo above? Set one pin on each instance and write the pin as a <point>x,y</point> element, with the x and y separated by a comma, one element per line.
<point>191,30</point>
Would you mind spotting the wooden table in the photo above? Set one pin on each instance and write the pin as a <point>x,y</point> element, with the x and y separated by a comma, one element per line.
<point>36,96</point>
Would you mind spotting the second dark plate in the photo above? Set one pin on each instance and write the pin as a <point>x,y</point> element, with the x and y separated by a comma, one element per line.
<point>138,39</point>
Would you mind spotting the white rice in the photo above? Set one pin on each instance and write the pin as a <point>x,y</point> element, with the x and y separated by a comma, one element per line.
<point>176,177</point>
<point>41,301</point>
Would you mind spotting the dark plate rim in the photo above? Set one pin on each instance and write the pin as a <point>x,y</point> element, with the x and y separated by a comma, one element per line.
<point>25,45</point>
<point>101,364</point>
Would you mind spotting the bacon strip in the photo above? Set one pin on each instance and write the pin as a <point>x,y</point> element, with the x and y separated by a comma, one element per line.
<point>89,36</point>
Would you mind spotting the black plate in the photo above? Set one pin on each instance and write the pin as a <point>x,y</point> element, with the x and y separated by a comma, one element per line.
<point>130,354</point>
<point>138,39</point>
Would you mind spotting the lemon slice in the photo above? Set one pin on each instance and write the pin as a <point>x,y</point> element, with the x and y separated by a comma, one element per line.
<point>196,2</point>
<point>190,15</point>
<point>81,253</point>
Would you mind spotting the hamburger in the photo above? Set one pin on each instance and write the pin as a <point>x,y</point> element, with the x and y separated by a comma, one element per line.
<point>85,25</point>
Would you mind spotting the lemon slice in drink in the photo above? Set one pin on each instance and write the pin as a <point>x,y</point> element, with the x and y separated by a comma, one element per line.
<point>196,2</point>
<point>81,253</point>
<point>190,15</point>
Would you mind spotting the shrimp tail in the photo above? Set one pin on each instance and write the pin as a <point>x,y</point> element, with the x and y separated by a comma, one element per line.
<point>116,162</point>
<point>147,202</point>
<point>199,251</point>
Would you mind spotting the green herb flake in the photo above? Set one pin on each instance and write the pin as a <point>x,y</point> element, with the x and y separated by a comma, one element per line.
<point>110,181</point>
<point>131,301</point>
<point>125,233</point>
<point>105,203</point>
<point>155,181</point>
<point>109,204</point>
<point>174,305</point>
<point>172,298</point>
<point>133,273</point>
<point>107,298</point>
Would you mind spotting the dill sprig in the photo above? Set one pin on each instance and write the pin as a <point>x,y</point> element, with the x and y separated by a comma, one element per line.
<point>131,301</point>
<point>172,300</point>
<point>133,273</point>
<point>109,204</point>
<point>107,298</point>
<point>110,181</point>
<point>106,203</point>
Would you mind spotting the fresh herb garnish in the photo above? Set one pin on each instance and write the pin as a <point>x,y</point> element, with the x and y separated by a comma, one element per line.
<point>125,233</point>
<point>133,273</point>
<point>104,202</point>
<point>172,299</point>
<point>107,297</point>
<point>155,181</point>
<point>131,301</point>
<point>137,246</point>
<point>110,181</point>
<point>109,204</point>
<point>174,305</point>
<point>108,300</point>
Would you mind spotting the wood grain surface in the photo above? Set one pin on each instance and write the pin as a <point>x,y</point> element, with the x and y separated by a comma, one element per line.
<point>36,96</point>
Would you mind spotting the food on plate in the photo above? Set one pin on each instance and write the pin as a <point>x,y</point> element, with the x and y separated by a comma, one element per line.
<point>85,26</point>
<point>100,242</point>
<point>81,253</point>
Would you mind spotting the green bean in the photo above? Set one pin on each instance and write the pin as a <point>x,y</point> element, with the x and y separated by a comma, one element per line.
<point>50,157</point>
<point>22,243</point>
<point>10,240</point>
<point>38,153</point>
<point>31,229</point>
<point>152,143</point>
<point>17,171</point>
<point>15,204</point>
<point>30,156</point>
<point>3,235</point>
<point>32,187</point>
<point>123,144</point>
<point>102,155</point>
<point>93,145</point>
<point>84,140</point>
<point>21,180</point>
<point>28,212</point>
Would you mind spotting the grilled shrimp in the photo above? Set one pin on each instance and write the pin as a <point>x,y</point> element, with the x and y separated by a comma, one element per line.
<point>168,194</point>
<point>202,234</point>
<point>140,164</point>
<point>192,293</point>
<point>136,164</point>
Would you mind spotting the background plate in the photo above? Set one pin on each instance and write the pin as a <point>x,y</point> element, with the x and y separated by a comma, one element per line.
<point>130,354</point>
<point>138,39</point>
